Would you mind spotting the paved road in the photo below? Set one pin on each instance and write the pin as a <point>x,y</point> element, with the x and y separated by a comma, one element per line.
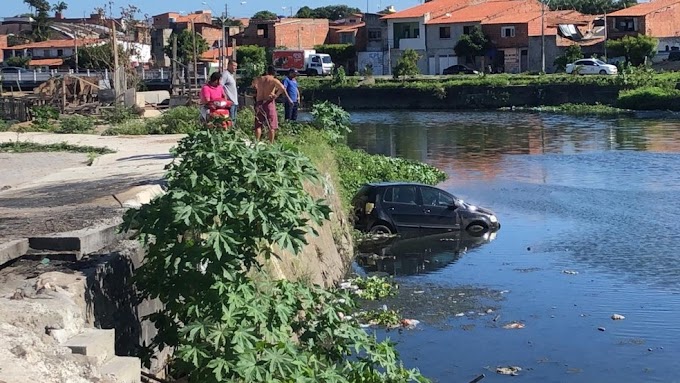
<point>54,192</point>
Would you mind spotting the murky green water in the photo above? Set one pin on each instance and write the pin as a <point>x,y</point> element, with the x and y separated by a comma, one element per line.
<point>600,197</point>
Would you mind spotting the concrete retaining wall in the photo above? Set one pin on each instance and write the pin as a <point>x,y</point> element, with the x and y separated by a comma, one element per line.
<point>464,97</point>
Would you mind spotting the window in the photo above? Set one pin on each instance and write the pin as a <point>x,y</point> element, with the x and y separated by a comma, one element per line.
<point>627,24</point>
<point>374,34</point>
<point>401,194</point>
<point>60,52</point>
<point>444,32</point>
<point>263,31</point>
<point>508,32</point>
<point>46,53</point>
<point>467,29</point>
<point>315,59</point>
<point>433,197</point>
<point>347,38</point>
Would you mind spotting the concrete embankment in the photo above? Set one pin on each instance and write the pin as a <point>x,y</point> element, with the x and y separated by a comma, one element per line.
<point>463,97</point>
<point>68,311</point>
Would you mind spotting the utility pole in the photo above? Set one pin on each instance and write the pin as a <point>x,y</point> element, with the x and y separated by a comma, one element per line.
<point>75,47</point>
<point>193,35</point>
<point>543,36</point>
<point>225,33</point>
<point>605,35</point>
<point>116,72</point>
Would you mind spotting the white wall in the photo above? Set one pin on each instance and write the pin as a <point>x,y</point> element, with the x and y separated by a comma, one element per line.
<point>418,43</point>
<point>141,52</point>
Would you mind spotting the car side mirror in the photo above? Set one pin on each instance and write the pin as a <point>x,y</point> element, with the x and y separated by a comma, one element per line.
<point>453,206</point>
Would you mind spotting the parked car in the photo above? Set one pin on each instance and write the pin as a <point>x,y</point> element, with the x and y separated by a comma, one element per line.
<point>459,69</point>
<point>411,209</point>
<point>591,66</point>
<point>674,56</point>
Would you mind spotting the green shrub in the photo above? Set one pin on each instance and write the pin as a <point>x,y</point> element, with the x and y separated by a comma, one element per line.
<point>128,128</point>
<point>75,124</point>
<point>331,118</point>
<point>118,114</point>
<point>650,98</point>
<point>43,117</point>
<point>5,126</point>
<point>228,203</point>
<point>245,119</point>
<point>179,120</point>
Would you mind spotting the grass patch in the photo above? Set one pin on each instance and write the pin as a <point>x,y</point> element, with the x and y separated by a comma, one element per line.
<point>650,98</point>
<point>29,147</point>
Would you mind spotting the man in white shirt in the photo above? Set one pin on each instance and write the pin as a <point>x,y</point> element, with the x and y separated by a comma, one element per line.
<point>230,88</point>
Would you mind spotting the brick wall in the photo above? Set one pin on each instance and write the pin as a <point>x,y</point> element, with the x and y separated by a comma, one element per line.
<point>300,33</point>
<point>662,24</point>
<point>3,45</point>
<point>521,38</point>
<point>211,34</point>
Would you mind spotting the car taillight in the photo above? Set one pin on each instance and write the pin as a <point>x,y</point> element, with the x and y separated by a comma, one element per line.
<point>368,208</point>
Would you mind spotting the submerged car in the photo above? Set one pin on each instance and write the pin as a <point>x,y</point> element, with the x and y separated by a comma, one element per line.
<point>591,66</point>
<point>411,209</point>
<point>459,69</point>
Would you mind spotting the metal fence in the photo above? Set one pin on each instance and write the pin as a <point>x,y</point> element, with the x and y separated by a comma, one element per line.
<point>35,76</point>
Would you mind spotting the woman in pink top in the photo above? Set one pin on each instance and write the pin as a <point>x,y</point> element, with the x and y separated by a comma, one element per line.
<point>212,91</point>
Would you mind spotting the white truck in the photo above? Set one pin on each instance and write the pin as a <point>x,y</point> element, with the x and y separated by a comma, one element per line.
<point>305,61</point>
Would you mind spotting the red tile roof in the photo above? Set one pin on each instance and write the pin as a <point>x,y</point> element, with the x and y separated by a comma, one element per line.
<point>46,62</point>
<point>643,9</point>
<point>480,12</point>
<point>435,7</point>
<point>514,18</point>
<point>214,54</point>
<point>56,44</point>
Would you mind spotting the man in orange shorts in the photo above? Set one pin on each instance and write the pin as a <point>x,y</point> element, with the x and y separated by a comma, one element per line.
<point>268,89</point>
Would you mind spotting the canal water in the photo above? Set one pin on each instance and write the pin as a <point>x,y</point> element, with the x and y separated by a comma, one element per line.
<point>589,209</point>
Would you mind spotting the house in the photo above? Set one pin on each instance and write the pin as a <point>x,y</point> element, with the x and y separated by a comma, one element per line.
<point>200,21</point>
<point>3,45</point>
<point>367,33</point>
<point>291,33</point>
<point>406,29</point>
<point>50,53</point>
<point>443,32</point>
<point>518,39</point>
<point>657,18</point>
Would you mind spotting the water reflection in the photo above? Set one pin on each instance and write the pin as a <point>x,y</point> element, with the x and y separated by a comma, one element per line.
<point>412,256</point>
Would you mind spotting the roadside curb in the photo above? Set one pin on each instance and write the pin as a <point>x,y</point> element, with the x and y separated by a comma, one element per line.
<point>80,242</point>
<point>12,250</point>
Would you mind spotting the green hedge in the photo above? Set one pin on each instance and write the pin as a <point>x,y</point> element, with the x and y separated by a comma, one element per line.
<point>650,98</point>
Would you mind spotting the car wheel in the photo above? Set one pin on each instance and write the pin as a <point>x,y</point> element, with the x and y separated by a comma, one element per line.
<point>477,228</point>
<point>603,71</point>
<point>381,229</point>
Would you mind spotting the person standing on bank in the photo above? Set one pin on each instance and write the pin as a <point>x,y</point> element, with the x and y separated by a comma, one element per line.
<point>291,85</point>
<point>268,88</point>
<point>231,90</point>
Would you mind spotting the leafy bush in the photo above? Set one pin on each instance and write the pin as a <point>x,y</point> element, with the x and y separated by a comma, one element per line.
<point>407,65</point>
<point>331,118</point>
<point>373,288</point>
<point>75,124</point>
<point>179,120</point>
<point>650,98</point>
<point>339,76</point>
<point>571,54</point>
<point>228,203</point>
<point>245,119</point>
<point>43,117</point>
<point>635,49</point>
<point>135,127</point>
<point>359,168</point>
<point>118,114</point>
<point>5,125</point>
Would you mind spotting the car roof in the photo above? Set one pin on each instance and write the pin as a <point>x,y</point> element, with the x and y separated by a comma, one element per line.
<point>393,183</point>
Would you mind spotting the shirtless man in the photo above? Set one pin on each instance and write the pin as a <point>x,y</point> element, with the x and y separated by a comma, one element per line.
<point>268,89</point>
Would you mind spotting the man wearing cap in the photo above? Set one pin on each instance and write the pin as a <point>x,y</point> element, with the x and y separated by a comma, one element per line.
<point>291,85</point>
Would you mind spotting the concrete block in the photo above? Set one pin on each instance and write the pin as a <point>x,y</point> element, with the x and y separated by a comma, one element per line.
<point>152,97</point>
<point>125,369</point>
<point>83,241</point>
<point>12,250</point>
<point>96,343</point>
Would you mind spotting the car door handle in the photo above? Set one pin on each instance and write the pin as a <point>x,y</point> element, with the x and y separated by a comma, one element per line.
<point>391,209</point>
<point>426,211</point>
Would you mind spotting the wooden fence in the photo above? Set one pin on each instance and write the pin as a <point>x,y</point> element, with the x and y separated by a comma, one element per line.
<point>15,109</point>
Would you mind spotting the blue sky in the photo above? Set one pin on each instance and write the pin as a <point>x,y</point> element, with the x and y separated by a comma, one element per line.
<point>236,8</point>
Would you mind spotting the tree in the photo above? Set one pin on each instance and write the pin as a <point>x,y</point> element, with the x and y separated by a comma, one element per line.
<point>21,62</point>
<point>252,59</point>
<point>330,12</point>
<point>264,15</point>
<point>41,24</point>
<point>340,53</point>
<point>634,48</point>
<point>591,7</point>
<point>99,57</point>
<point>407,65</point>
<point>473,44</point>
<point>59,7</point>
<point>185,46</point>
<point>571,54</point>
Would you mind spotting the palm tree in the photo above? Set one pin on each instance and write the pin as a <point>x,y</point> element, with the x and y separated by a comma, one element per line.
<point>60,7</point>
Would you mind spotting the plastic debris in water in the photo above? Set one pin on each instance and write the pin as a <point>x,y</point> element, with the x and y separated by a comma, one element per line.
<point>509,370</point>
<point>514,325</point>
<point>45,261</point>
<point>570,272</point>
<point>618,317</point>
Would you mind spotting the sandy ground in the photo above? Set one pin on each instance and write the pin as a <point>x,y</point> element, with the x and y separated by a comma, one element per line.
<point>54,192</point>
